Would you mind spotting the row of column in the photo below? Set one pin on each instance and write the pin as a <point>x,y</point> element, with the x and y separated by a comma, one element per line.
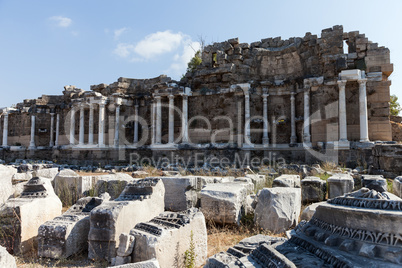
<point>157,120</point>
<point>362,111</point>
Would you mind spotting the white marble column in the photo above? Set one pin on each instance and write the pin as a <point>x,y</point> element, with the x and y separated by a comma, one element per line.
<point>32,141</point>
<point>293,137</point>
<point>101,130</point>
<point>363,110</point>
<point>265,139</point>
<point>171,119</point>
<point>51,142</point>
<point>343,135</point>
<point>135,123</point>
<point>153,114</point>
<point>81,133</point>
<point>117,126</point>
<point>5,130</point>
<point>247,135</point>
<point>91,124</point>
<point>184,124</point>
<point>158,139</point>
<point>56,143</point>
<point>72,125</point>
<point>306,127</point>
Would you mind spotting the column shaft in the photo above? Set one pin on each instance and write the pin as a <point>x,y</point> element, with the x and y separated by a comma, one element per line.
<point>81,134</point>
<point>343,136</point>
<point>247,135</point>
<point>101,130</point>
<point>306,127</point>
<point>117,126</point>
<point>185,120</point>
<point>158,139</point>
<point>265,139</point>
<point>51,142</point>
<point>91,125</point>
<point>56,143</point>
<point>5,130</point>
<point>364,137</point>
<point>72,125</point>
<point>171,119</point>
<point>293,137</point>
<point>32,142</point>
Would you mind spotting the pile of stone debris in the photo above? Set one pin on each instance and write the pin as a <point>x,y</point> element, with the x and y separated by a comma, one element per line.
<point>353,221</point>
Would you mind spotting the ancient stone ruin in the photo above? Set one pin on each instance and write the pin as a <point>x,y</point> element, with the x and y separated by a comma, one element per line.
<point>21,217</point>
<point>140,201</point>
<point>271,96</point>
<point>67,234</point>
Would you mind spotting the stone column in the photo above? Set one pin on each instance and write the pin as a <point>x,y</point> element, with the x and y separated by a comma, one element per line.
<point>293,137</point>
<point>5,130</point>
<point>72,125</point>
<point>343,135</point>
<point>91,125</point>
<point>153,106</point>
<point>306,127</point>
<point>56,143</point>
<point>171,119</point>
<point>247,135</point>
<point>51,143</point>
<point>363,110</point>
<point>158,139</point>
<point>32,142</point>
<point>81,134</point>
<point>184,124</point>
<point>135,123</point>
<point>265,139</point>
<point>117,126</point>
<point>101,131</point>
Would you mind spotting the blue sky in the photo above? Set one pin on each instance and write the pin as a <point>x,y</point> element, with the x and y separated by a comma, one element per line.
<point>46,45</point>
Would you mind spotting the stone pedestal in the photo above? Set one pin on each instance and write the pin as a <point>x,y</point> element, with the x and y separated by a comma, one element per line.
<point>339,184</point>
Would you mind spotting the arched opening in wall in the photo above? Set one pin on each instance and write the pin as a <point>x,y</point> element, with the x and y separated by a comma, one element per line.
<point>345,47</point>
<point>214,60</point>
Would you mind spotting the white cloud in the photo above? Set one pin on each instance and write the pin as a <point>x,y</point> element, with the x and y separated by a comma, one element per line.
<point>119,32</point>
<point>63,22</point>
<point>179,65</point>
<point>151,46</point>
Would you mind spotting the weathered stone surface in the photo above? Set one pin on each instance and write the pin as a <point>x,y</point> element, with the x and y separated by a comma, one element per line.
<point>21,217</point>
<point>141,200</point>
<point>397,186</point>
<point>49,173</point>
<point>287,181</point>
<point>339,184</point>
<point>6,189</point>
<point>67,234</point>
<point>313,189</point>
<point>110,183</point>
<point>144,264</point>
<point>181,192</point>
<point>169,235</point>
<point>277,209</point>
<point>375,182</point>
<point>223,202</point>
<point>6,259</point>
<point>309,211</point>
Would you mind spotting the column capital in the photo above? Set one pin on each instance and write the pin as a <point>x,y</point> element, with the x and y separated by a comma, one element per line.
<point>171,96</point>
<point>157,97</point>
<point>342,83</point>
<point>265,96</point>
<point>362,81</point>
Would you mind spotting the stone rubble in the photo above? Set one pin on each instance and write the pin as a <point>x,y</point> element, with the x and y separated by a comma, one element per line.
<point>141,200</point>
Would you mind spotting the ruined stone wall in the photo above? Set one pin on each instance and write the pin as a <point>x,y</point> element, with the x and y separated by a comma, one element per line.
<point>272,67</point>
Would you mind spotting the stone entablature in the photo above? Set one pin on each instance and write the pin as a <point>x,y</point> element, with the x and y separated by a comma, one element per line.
<point>249,96</point>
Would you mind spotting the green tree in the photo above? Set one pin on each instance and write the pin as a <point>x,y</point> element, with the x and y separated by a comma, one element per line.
<point>194,62</point>
<point>394,107</point>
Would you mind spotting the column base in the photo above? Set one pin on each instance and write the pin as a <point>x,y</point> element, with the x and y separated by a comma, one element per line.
<point>31,147</point>
<point>365,140</point>
<point>162,146</point>
<point>293,140</point>
<point>248,146</point>
<point>265,142</point>
<point>342,144</point>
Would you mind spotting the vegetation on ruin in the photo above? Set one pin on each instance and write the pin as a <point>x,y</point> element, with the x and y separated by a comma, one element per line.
<point>194,62</point>
<point>394,106</point>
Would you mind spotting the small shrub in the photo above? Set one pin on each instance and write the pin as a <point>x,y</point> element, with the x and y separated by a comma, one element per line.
<point>189,254</point>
